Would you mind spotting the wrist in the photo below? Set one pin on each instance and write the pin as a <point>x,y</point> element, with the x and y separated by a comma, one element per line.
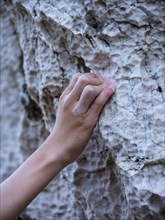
<point>54,151</point>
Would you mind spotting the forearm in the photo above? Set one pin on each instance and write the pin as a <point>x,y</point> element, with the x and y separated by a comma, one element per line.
<point>30,179</point>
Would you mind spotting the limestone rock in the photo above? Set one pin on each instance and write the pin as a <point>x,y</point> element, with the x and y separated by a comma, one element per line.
<point>120,175</point>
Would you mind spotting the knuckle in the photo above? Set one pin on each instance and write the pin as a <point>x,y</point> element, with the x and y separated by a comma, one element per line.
<point>90,90</point>
<point>65,103</point>
<point>83,80</point>
<point>76,76</point>
<point>93,75</point>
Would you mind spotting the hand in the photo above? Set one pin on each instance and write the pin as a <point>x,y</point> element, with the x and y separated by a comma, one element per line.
<point>78,112</point>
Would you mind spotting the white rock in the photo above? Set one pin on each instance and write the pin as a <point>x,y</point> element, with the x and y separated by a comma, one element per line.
<point>120,175</point>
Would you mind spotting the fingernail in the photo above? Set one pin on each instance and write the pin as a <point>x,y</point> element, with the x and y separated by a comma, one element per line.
<point>107,84</point>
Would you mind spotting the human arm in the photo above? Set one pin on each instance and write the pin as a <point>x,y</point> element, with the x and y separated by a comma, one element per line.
<point>78,111</point>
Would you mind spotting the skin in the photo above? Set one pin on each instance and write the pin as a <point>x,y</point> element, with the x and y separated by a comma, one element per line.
<point>78,112</point>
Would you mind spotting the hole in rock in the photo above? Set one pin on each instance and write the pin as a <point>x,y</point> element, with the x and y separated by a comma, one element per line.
<point>32,109</point>
<point>91,20</point>
<point>159,89</point>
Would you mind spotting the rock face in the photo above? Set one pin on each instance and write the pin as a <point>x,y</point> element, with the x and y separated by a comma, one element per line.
<point>120,175</point>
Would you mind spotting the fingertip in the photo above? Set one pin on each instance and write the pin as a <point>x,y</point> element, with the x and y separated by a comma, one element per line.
<point>109,86</point>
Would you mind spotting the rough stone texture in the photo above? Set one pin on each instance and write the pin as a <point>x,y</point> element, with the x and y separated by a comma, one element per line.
<point>120,175</point>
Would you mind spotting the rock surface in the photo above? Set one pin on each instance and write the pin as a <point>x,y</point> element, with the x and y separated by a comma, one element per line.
<point>121,174</point>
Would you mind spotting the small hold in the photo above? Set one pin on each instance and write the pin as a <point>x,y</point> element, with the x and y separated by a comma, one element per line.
<point>91,20</point>
<point>159,89</point>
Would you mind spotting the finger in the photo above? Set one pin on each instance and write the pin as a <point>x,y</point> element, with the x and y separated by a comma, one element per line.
<point>87,97</point>
<point>103,79</point>
<point>101,100</point>
<point>82,82</point>
<point>71,84</point>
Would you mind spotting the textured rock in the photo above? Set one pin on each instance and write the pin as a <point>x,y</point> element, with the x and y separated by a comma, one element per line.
<point>120,174</point>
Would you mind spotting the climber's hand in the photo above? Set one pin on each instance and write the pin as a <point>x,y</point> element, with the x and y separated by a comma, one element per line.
<point>78,111</point>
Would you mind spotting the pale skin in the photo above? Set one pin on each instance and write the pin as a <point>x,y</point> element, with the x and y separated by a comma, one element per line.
<point>79,108</point>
